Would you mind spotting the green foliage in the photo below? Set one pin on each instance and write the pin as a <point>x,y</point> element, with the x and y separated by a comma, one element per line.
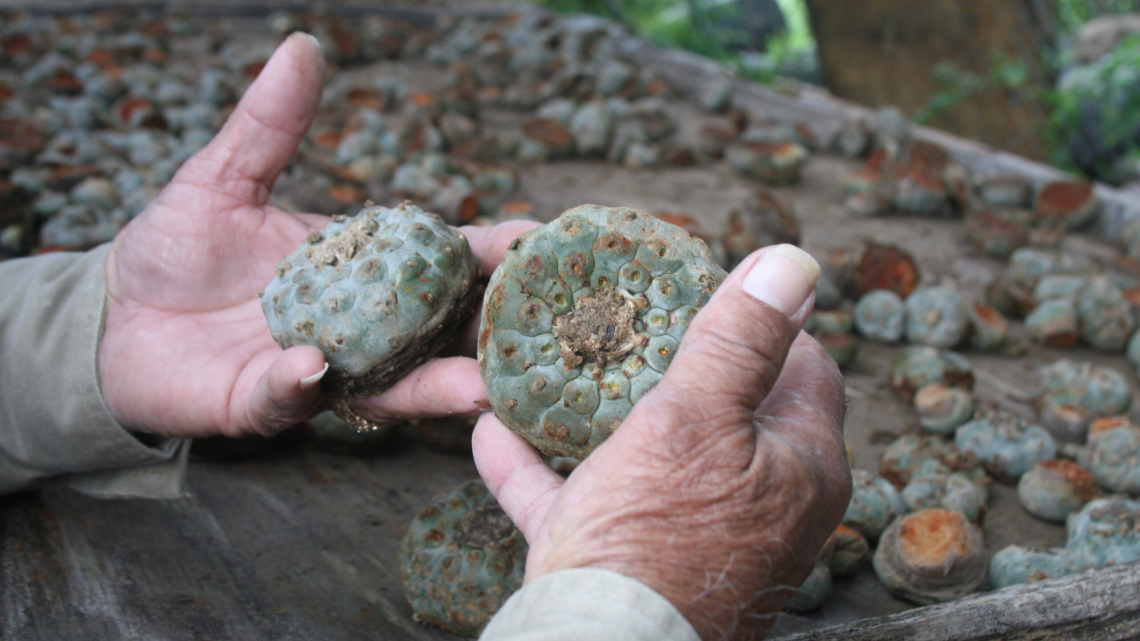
<point>959,85</point>
<point>691,25</point>
<point>1073,13</point>
<point>1111,87</point>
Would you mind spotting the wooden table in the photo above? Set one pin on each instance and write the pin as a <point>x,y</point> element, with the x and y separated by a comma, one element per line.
<point>301,545</point>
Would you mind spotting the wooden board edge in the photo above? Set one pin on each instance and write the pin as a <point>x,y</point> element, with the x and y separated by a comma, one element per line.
<point>1100,604</point>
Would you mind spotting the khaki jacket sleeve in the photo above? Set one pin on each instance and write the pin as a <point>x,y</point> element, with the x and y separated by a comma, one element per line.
<point>54,424</point>
<point>597,605</point>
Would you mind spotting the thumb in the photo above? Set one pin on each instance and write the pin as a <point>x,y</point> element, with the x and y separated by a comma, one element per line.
<point>735,347</point>
<point>289,391</point>
<point>265,129</point>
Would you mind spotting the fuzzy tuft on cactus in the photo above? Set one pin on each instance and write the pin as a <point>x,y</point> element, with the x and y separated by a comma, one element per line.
<point>874,504</point>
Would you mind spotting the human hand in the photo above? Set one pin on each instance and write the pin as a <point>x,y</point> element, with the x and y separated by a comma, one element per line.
<point>722,484</point>
<point>186,350</point>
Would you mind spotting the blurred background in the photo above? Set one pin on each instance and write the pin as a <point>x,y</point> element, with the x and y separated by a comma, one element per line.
<point>1053,80</point>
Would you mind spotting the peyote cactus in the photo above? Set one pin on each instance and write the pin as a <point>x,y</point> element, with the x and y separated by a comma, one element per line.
<point>954,491</point>
<point>931,556</point>
<point>1054,489</point>
<point>998,232</point>
<point>1067,204</point>
<point>461,559</point>
<point>1052,286</point>
<point>854,139</point>
<point>1106,532</point>
<point>851,551</point>
<point>379,292</point>
<point>941,408</point>
<point>1007,191</point>
<point>880,315</point>
<point>874,504</point>
<point>1006,445</point>
<point>936,316</point>
<point>1107,317</point>
<point>772,163</point>
<point>582,319</point>
<point>919,190</point>
<point>907,456</point>
<point>1113,458</point>
<point>816,588</point>
<point>1132,350</point>
<point>919,366</point>
<point>989,330</point>
<point>762,220</point>
<point>843,348</point>
<point>1093,390</point>
<point>1054,322</point>
<point>831,321</point>
<point>1015,565</point>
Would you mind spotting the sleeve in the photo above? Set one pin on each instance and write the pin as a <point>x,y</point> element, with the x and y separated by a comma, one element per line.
<point>587,603</point>
<point>54,424</point>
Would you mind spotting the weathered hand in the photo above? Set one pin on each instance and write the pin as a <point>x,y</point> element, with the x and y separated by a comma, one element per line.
<point>722,484</point>
<point>186,350</point>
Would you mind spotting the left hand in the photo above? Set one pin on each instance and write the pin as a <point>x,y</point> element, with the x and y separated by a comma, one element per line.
<point>186,350</point>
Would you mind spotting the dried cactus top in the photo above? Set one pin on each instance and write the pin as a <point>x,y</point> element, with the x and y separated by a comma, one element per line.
<point>379,292</point>
<point>461,559</point>
<point>583,317</point>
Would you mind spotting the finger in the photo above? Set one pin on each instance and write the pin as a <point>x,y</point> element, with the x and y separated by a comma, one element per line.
<point>490,243</point>
<point>733,351</point>
<point>440,387</point>
<point>262,134</point>
<point>515,473</point>
<point>289,391</point>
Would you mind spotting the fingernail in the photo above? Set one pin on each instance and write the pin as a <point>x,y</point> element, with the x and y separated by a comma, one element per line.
<point>309,36</point>
<point>309,381</point>
<point>783,278</point>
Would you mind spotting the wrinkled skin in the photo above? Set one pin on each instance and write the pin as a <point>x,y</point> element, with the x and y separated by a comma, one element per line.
<point>186,350</point>
<point>718,489</point>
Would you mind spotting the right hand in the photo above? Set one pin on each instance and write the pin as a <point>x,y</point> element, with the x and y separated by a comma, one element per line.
<point>722,484</point>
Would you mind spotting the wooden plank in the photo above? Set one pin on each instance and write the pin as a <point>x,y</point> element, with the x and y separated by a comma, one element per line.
<point>299,546</point>
<point>1095,606</point>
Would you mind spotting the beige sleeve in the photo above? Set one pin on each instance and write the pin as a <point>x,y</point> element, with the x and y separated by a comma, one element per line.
<point>596,605</point>
<point>54,425</point>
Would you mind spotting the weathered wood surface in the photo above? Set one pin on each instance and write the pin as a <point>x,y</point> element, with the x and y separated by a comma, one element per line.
<point>300,546</point>
<point>1094,606</point>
